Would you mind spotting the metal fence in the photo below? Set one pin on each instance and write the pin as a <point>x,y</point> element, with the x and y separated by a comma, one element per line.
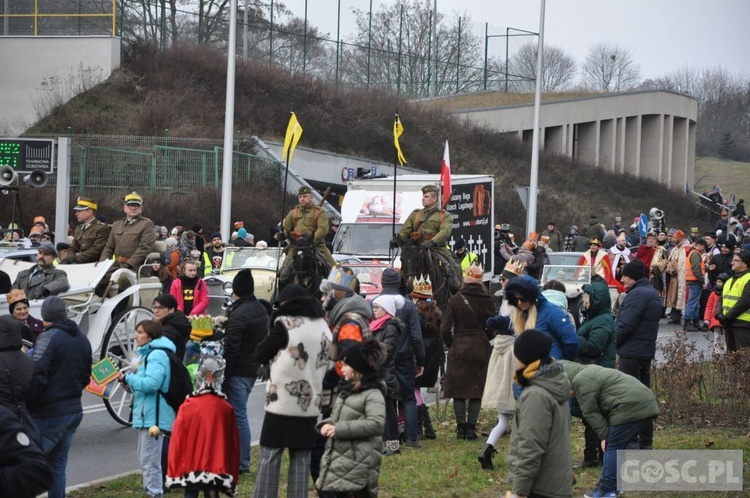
<point>150,164</point>
<point>58,18</point>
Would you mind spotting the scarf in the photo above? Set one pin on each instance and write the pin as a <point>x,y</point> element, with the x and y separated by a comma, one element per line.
<point>523,374</point>
<point>377,323</point>
<point>619,253</point>
<point>189,282</point>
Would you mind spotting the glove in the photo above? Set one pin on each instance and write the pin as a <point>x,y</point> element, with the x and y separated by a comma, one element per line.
<point>279,236</point>
<point>394,243</point>
<point>427,244</point>
<point>722,318</point>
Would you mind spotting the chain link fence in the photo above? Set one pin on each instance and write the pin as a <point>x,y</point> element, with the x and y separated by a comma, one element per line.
<point>58,18</point>
<point>171,164</point>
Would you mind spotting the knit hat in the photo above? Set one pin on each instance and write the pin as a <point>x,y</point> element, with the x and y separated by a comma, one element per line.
<point>513,269</point>
<point>196,228</point>
<point>364,357</point>
<point>243,283</point>
<point>391,279</point>
<point>474,274</point>
<point>634,270</point>
<point>54,309</point>
<point>62,246</point>
<point>460,244</point>
<point>14,297</point>
<point>389,302</point>
<point>532,345</point>
<point>215,235</point>
<point>47,247</point>
<point>745,256</point>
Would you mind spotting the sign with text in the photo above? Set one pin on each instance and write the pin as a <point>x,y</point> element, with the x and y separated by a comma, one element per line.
<point>471,207</point>
<point>26,155</point>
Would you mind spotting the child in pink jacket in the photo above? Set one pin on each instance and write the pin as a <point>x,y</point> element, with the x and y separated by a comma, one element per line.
<point>713,307</point>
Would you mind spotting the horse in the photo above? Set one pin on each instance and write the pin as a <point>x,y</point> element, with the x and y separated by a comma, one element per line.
<point>307,268</point>
<point>417,261</point>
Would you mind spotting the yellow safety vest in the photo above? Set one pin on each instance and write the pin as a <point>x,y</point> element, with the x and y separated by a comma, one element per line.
<point>731,293</point>
<point>467,260</point>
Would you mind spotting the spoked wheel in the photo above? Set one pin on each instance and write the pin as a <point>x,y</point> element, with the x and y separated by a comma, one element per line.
<point>119,344</point>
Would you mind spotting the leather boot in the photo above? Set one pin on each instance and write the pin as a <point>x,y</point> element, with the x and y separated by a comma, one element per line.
<point>429,431</point>
<point>699,325</point>
<point>485,457</point>
<point>461,430</point>
<point>471,432</point>
<point>420,422</point>
<point>689,327</point>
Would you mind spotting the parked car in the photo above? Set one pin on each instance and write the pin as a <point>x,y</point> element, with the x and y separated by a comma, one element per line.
<point>574,277</point>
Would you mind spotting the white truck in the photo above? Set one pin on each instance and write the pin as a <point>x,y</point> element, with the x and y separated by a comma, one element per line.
<point>367,214</point>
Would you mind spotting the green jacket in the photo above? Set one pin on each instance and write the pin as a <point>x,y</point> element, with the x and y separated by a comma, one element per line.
<point>596,335</point>
<point>539,459</point>
<point>609,397</point>
<point>431,224</point>
<point>351,461</point>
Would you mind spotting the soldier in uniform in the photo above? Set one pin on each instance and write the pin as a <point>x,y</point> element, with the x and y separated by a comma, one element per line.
<point>131,239</point>
<point>432,226</point>
<point>305,223</point>
<point>90,236</point>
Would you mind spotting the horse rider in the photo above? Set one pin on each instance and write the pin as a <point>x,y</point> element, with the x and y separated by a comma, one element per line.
<point>306,224</point>
<point>431,227</point>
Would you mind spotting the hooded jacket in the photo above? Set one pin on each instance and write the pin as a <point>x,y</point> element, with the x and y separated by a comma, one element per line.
<point>637,322</point>
<point>410,345</point>
<point>62,367</point>
<point>16,367</point>
<point>247,325</point>
<point>596,335</point>
<point>24,469</point>
<point>539,459</point>
<point>177,328</point>
<point>550,318</point>
<point>153,375</point>
<point>609,397</point>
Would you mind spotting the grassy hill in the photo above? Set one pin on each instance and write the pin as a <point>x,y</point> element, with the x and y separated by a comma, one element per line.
<point>183,90</point>
<point>732,176</point>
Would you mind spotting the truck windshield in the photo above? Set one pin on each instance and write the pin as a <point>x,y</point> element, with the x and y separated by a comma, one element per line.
<point>363,239</point>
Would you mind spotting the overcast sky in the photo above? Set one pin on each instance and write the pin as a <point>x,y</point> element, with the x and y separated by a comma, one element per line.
<point>662,35</point>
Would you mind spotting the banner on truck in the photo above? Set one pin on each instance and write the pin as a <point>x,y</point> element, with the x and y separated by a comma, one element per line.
<point>471,207</point>
<point>376,206</point>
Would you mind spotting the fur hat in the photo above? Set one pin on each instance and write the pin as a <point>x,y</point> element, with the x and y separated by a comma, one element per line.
<point>391,279</point>
<point>54,309</point>
<point>635,270</point>
<point>243,283</point>
<point>14,297</point>
<point>364,357</point>
<point>389,302</point>
<point>474,274</point>
<point>524,286</point>
<point>532,345</point>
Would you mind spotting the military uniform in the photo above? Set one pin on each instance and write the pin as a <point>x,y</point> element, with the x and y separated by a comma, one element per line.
<point>301,222</point>
<point>89,240</point>
<point>130,242</point>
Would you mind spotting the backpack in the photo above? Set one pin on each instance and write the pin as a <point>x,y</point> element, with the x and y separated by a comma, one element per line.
<point>180,385</point>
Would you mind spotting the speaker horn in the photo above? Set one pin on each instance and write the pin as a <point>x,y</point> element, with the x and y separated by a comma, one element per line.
<point>8,176</point>
<point>36,179</point>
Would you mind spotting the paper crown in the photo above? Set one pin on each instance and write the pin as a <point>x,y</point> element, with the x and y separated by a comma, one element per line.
<point>514,266</point>
<point>595,241</point>
<point>422,287</point>
<point>474,272</point>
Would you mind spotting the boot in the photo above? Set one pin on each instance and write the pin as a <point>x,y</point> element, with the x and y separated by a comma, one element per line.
<point>689,327</point>
<point>420,422</point>
<point>699,325</point>
<point>471,432</point>
<point>392,448</point>
<point>429,431</point>
<point>461,430</point>
<point>485,457</point>
<point>675,317</point>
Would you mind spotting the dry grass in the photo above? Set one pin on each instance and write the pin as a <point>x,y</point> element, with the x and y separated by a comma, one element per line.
<point>733,176</point>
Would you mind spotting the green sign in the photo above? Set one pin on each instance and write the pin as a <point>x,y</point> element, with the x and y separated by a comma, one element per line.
<point>26,155</point>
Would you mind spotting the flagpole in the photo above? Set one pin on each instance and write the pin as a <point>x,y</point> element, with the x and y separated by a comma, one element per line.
<point>288,155</point>
<point>393,222</point>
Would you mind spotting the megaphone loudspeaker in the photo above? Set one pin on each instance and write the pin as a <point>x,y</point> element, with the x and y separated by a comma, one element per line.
<point>36,179</point>
<point>8,176</point>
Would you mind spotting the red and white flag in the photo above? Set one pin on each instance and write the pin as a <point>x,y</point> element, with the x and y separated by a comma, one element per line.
<point>445,175</point>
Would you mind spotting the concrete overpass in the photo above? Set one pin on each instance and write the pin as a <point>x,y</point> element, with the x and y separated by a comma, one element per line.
<point>643,134</point>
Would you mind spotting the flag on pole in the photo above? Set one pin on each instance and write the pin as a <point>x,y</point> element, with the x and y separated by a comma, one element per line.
<point>293,134</point>
<point>445,175</point>
<point>398,129</point>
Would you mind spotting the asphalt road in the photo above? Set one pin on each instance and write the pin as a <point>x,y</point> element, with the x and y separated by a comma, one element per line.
<point>102,448</point>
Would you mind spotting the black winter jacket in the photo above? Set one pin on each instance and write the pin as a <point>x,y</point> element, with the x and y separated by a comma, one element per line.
<point>24,470</point>
<point>637,322</point>
<point>62,366</point>
<point>411,344</point>
<point>247,325</point>
<point>16,367</point>
<point>177,329</point>
<point>388,334</point>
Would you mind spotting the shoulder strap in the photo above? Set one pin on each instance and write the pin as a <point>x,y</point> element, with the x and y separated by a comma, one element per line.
<point>315,218</point>
<point>418,221</point>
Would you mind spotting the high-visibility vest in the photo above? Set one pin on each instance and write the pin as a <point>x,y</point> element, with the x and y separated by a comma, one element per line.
<point>689,276</point>
<point>731,293</point>
<point>467,260</point>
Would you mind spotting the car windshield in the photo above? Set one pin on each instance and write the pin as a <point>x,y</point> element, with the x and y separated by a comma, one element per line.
<point>251,257</point>
<point>567,274</point>
<point>364,239</point>
<point>564,258</point>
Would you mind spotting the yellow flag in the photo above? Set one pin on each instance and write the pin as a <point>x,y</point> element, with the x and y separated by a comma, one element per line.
<point>293,134</point>
<point>398,129</point>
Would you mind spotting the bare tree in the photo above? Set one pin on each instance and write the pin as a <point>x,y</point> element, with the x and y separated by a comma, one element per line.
<point>558,69</point>
<point>610,68</point>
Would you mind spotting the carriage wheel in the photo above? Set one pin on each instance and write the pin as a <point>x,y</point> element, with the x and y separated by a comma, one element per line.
<point>119,344</point>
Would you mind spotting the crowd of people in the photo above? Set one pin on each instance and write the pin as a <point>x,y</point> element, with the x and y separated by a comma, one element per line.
<point>345,378</point>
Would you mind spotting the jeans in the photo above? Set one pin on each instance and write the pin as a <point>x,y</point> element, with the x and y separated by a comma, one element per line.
<point>55,439</point>
<point>238,392</point>
<point>641,370</point>
<point>692,308</point>
<point>618,438</point>
<point>149,456</point>
<point>405,373</point>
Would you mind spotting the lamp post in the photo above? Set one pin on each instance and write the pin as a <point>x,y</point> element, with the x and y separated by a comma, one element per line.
<point>226,174</point>
<point>534,181</point>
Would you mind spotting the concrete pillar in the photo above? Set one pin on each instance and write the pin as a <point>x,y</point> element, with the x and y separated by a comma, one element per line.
<point>690,162</point>
<point>650,160</point>
<point>679,153</point>
<point>607,144</point>
<point>632,148</point>
<point>620,145</point>
<point>667,136</point>
<point>587,143</point>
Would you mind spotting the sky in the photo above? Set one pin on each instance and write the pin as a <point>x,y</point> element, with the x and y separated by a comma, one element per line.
<point>662,35</point>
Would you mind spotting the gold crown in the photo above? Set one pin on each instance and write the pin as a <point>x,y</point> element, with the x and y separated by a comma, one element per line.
<point>515,266</point>
<point>422,286</point>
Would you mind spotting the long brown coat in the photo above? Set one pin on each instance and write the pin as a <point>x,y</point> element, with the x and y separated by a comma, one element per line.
<point>463,331</point>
